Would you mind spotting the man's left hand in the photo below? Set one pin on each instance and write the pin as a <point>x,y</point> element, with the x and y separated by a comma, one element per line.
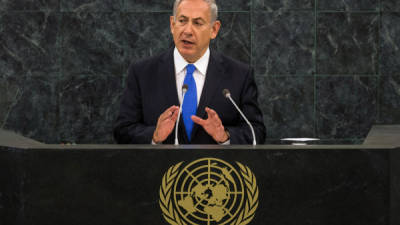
<point>212,125</point>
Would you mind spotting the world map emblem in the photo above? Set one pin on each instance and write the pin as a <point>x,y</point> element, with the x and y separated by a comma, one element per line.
<point>208,191</point>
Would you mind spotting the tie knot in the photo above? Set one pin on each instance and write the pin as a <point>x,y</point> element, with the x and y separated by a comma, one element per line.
<point>190,68</point>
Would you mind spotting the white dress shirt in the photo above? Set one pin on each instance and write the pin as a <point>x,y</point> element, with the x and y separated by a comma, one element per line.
<point>199,74</point>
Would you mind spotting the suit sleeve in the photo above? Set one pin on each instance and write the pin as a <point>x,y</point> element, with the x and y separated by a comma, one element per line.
<point>241,133</point>
<point>129,127</point>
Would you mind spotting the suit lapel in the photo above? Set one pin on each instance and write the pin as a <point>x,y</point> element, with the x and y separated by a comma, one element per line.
<point>168,79</point>
<point>214,77</point>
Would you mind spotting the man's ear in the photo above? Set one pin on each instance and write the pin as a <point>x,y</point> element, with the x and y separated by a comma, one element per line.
<point>215,28</point>
<point>171,23</point>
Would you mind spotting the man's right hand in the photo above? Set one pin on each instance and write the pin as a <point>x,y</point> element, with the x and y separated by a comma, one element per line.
<point>165,124</point>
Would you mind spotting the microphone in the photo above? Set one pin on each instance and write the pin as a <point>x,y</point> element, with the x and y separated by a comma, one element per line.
<point>184,89</point>
<point>227,95</point>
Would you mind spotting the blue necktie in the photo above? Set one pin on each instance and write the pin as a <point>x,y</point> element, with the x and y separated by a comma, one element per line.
<point>189,105</point>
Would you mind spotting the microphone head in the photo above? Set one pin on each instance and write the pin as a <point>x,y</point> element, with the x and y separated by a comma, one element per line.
<point>226,93</point>
<point>184,88</point>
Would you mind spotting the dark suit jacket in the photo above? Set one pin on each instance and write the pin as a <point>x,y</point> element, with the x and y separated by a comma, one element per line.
<point>151,89</point>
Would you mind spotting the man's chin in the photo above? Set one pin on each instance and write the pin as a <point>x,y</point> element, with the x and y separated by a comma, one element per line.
<point>188,54</point>
<point>187,50</point>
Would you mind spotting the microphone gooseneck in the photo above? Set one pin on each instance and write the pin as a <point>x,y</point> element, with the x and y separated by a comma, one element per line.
<point>227,95</point>
<point>184,89</point>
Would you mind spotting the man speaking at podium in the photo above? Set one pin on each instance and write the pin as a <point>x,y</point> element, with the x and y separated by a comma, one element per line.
<point>197,75</point>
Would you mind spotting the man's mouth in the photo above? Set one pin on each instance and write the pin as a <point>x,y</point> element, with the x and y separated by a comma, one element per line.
<point>187,42</point>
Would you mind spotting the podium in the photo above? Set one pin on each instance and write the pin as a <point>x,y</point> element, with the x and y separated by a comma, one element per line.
<point>122,184</point>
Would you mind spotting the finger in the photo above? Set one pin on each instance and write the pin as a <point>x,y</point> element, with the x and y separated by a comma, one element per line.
<point>174,116</point>
<point>213,116</point>
<point>211,113</point>
<point>172,109</point>
<point>169,112</point>
<point>198,120</point>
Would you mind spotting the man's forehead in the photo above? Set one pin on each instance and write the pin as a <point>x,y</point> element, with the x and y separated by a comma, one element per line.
<point>194,9</point>
<point>193,18</point>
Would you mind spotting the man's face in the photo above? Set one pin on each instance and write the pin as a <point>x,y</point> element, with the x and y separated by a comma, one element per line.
<point>192,30</point>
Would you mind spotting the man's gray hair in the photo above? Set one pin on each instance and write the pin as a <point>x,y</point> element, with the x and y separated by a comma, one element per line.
<point>211,3</point>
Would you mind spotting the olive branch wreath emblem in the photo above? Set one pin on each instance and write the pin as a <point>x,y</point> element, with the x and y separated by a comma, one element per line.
<point>172,216</point>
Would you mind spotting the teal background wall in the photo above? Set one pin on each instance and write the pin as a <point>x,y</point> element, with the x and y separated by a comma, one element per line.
<point>326,69</point>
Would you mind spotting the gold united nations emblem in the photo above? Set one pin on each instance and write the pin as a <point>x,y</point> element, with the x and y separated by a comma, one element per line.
<point>208,191</point>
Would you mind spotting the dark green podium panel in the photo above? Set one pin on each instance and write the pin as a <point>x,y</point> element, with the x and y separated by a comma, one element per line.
<point>111,184</point>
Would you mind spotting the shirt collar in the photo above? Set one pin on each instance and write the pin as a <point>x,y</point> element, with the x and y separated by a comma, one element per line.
<point>201,64</point>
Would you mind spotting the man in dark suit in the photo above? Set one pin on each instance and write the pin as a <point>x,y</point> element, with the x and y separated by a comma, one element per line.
<point>149,105</point>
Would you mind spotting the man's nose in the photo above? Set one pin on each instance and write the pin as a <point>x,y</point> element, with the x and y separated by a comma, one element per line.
<point>188,30</point>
